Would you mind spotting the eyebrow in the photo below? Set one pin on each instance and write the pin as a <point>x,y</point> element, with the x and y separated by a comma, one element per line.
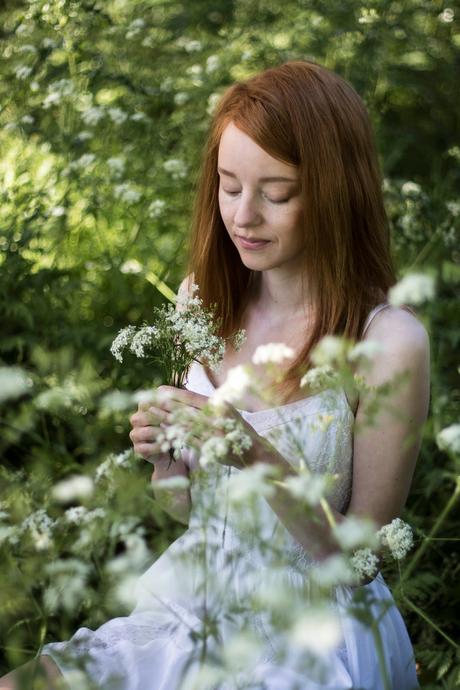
<point>262,179</point>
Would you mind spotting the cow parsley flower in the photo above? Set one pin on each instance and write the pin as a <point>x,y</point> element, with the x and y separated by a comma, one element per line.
<point>176,338</point>
<point>449,438</point>
<point>14,382</point>
<point>237,382</point>
<point>398,537</point>
<point>251,482</point>
<point>414,288</point>
<point>330,350</point>
<point>317,378</point>
<point>272,353</point>
<point>75,488</point>
<point>365,563</point>
<point>316,630</point>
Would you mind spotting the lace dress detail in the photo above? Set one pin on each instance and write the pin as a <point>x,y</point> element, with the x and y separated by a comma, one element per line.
<point>228,551</point>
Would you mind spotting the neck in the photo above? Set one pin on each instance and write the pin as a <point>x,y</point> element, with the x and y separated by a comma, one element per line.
<point>281,296</point>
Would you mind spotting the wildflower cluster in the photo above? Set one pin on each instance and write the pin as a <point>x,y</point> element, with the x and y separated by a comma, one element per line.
<point>394,539</point>
<point>177,338</point>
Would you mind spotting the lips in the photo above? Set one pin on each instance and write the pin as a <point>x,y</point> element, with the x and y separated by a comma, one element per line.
<point>248,243</point>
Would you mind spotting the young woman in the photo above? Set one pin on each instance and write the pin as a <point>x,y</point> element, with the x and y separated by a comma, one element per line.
<point>290,240</point>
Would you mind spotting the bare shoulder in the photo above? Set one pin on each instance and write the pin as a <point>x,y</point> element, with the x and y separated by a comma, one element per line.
<point>397,329</point>
<point>404,345</point>
<point>186,284</point>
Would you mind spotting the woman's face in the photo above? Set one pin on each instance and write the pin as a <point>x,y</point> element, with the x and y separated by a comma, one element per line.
<point>260,205</point>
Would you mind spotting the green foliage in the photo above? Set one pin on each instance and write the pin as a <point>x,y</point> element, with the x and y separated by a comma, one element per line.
<point>104,110</point>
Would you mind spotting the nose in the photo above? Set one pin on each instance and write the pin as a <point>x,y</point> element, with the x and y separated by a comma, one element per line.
<point>246,213</point>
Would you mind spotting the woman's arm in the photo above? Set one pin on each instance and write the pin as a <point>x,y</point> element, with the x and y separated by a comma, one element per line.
<point>177,502</point>
<point>384,453</point>
<point>145,423</point>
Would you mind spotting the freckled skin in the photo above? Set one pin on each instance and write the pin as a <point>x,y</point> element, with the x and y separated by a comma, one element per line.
<point>254,208</point>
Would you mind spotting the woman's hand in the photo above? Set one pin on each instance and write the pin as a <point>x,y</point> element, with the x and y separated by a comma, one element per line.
<point>151,419</point>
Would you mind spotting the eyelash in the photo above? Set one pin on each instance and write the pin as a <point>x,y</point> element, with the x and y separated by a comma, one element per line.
<point>279,201</point>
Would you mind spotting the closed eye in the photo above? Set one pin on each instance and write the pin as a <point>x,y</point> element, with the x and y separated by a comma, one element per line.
<point>231,192</point>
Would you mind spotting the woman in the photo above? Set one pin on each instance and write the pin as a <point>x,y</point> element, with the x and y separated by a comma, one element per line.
<point>290,239</point>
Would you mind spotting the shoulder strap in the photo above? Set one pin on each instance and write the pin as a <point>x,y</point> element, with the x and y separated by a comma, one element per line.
<point>380,307</point>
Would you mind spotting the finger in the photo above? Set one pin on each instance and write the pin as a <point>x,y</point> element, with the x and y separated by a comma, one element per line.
<point>150,416</point>
<point>182,395</point>
<point>143,434</point>
<point>148,451</point>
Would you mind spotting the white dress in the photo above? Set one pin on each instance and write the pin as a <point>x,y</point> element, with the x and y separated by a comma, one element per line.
<point>230,554</point>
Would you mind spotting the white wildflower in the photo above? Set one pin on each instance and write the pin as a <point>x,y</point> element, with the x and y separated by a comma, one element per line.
<point>453,207</point>
<point>49,43</point>
<point>398,537</point>
<point>251,482</point>
<point>449,438</point>
<point>122,341</point>
<point>414,288</point>
<point>26,48</point>
<point>307,487</point>
<point>364,350</point>
<point>85,161</point>
<point>212,63</point>
<point>80,515</point>
<point>68,580</point>
<point>117,115</point>
<point>365,563</point>
<point>22,72</point>
<point>93,115</point>
<point>354,532</point>
<point>177,483</point>
<point>272,353</point>
<point>213,100</point>
<point>9,534</point>
<point>190,45</point>
<point>181,98</point>
<point>316,630</point>
<point>319,377</point>
<point>332,571</point>
<point>447,16</point>
<point>368,16</point>
<point>84,135</point>
<point>58,211</point>
<point>27,120</point>
<point>106,468</point>
<point>131,266</point>
<point>156,208</point>
<point>139,117</point>
<point>14,382</point>
<point>194,70</point>
<point>144,338</point>
<point>241,651</point>
<point>58,90</point>
<point>236,384</point>
<point>116,165</point>
<point>134,28</point>
<point>127,590</point>
<point>76,514</point>
<point>176,168</point>
<point>330,350</point>
<point>212,450</point>
<point>126,193</point>
<point>411,189</point>
<point>40,526</point>
<point>75,488</point>
<point>133,559</point>
<point>42,540</point>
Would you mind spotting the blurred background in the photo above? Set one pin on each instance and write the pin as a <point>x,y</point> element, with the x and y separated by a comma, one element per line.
<point>104,109</point>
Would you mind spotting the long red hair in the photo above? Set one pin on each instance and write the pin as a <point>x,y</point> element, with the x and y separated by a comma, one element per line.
<point>303,114</point>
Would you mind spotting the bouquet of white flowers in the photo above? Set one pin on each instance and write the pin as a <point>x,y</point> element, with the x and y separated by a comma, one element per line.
<point>177,337</point>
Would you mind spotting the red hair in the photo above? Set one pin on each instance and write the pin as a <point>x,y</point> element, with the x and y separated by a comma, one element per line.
<point>303,114</point>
